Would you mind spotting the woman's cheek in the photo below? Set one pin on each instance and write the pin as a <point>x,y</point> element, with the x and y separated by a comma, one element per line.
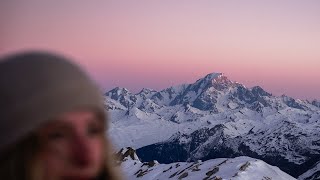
<point>54,160</point>
<point>98,150</point>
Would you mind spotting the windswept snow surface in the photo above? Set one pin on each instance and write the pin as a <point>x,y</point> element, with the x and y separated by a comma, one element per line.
<point>313,173</point>
<point>239,168</point>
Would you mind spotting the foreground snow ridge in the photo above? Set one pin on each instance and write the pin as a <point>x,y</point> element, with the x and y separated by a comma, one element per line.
<point>239,168</point>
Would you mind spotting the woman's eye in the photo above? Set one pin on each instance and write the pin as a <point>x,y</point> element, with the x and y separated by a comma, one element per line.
<point>56,135</point>
<point>95,130</point>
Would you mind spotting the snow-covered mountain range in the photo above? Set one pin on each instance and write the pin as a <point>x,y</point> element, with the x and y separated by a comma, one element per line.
<point>239,168</point>
<point>217,118</point>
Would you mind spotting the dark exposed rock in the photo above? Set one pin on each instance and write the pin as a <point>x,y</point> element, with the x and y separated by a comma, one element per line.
<point>149,164</point>
<point>185,174</point>
<point>213,171</point>
<point>316,103</point>
<point>289,101</point>
<point>130,153</point>
<point>167,169</point>
<point>172,175</point>
<point>244,166</point>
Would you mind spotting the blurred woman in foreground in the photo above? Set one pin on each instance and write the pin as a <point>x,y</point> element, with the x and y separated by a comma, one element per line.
<point>52,121</point>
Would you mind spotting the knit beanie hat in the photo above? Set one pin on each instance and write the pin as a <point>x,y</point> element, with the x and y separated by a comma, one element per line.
<point>35,87</point>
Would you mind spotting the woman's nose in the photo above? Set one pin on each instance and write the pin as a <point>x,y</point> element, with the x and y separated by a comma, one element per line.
<point>81,155</point>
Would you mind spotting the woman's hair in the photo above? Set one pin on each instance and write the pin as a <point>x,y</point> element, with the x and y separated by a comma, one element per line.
<point>18,163</point>
<point>21,162</point>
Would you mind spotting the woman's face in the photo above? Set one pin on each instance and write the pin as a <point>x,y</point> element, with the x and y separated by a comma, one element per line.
<point>72,146</point>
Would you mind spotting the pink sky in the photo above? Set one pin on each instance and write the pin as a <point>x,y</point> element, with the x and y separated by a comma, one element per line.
<point>157,44</point>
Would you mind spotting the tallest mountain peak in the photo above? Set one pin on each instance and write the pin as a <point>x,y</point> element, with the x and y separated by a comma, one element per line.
<point>213,76</point>
<point>214,79</point>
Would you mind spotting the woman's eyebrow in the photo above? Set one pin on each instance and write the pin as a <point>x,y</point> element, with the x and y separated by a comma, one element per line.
<point>57,124</point>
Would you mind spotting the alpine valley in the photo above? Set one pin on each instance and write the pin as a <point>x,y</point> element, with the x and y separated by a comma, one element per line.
<point>215,119</point>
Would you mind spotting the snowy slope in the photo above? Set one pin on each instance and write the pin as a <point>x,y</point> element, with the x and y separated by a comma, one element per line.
<point>313,173</point>
<point>216,117</point>
<point>240,168</point>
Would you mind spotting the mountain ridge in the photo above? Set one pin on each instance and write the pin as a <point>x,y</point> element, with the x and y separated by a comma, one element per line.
<point>254,121</point>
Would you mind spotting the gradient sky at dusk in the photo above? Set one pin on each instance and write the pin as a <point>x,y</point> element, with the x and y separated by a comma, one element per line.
<point>156,44</point>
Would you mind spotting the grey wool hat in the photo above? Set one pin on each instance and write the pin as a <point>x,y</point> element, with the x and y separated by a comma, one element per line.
<point>35,87</point>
